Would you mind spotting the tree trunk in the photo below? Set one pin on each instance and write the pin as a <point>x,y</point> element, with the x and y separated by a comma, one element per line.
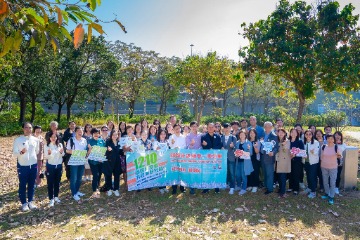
<point>131,108</point>
<point>224,106</point>
<point>95,106</point>
<point>202,105</point>
<point>33,109</point>
<point>22,107</point>
<point>301,106</point>
<point>60,105</point>
<point>68,111</point>
<point>102,104</point>
<point>161,112</point>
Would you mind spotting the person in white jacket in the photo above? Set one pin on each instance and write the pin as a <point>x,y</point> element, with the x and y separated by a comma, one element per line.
<point>312,148</point>
<point>53,153</point>
<point>26,149</point>
<point>177,141</point>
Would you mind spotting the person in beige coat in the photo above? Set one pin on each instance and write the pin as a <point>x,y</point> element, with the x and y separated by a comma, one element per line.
<point>283,161</point>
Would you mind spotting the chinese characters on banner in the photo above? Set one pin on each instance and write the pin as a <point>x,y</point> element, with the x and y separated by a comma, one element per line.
<point>191,168</point>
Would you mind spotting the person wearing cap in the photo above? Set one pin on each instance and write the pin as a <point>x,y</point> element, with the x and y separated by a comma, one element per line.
<point>25,149</point>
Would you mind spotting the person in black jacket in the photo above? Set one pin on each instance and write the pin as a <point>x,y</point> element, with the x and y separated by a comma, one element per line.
<point>211,140</point>
<point>69,133</point>
<point>296,162</point>
<point>112,167</point>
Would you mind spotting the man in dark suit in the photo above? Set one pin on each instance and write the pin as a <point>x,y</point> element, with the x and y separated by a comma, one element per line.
<point>211,140</point>
<point>229,142</point>
<point>268,157</point>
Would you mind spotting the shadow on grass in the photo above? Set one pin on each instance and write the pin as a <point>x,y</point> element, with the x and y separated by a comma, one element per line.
<point>254,209</point>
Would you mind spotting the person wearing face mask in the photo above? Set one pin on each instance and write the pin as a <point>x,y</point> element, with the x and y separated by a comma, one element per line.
<point>25,149</point>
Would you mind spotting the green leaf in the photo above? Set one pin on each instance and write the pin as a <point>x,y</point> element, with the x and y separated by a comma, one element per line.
<point>43,42</point>
<point>33,13</point>
<point>32,42</point>
<point>92,4</point>
<point>17,40</point>
<point>7,46</point>
<point>66,33</point>
<point>89,33</point>
<point>98,28</point>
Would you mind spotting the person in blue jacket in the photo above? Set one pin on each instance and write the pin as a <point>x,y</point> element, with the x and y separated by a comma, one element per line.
<point>211,140</point>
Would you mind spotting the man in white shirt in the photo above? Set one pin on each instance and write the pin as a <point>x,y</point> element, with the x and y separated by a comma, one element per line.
<point>25,149</point>
<point>177,140</point>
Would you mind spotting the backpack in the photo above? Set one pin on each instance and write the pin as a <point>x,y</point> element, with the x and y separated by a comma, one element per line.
<point>336,150</point>
<point>67,155</point>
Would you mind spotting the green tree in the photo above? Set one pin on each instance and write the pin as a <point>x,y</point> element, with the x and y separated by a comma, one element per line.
<point>136,75</point>
<point>303,46</point>
<point>46,21</point>
<point>166,90</point>
<point>204,76</point>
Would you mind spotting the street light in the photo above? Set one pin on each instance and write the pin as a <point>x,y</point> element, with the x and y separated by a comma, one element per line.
<point>191,46</point>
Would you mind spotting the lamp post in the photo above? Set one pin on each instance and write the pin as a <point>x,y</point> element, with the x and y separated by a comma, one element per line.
<point>191,46</point>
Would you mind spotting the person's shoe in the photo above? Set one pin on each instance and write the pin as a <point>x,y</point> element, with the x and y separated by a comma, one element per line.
<point>161,191</point>
<point>289,190</point>
<point>25,207</point>
<point>337,191</point>
<point>312,195</point>
<point>109,193</point>
<point>296,193</point>
<point>57,200</point>
<point>166,190</point>
<point>83,179</point>
<point>282,195</point>
<point>80,194</point>
<point>302,186</point>
<point>237,188</point>
<point>192,191</point>
<point>242,192</point>
<point>32,206</point>
<point>117,193</point>
<point>217,191</point>
<point>324,196</point>
<point>205,191</point>
<point>267,192</point>
<point>231,192</point>
<point>249,189</point>
<point>76,197</point>
<point>174,191</point>
<point>254,189</point>
<point>307,190</point>
<point>331,201</point>
<point>52,203</point>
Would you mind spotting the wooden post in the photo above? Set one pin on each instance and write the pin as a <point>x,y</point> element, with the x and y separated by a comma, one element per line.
<point>350,169</point>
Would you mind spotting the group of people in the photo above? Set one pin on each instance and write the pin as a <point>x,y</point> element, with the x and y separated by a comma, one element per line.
<point>259,167</point>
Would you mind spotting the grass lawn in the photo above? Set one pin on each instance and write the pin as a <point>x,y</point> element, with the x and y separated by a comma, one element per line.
<point>149,215</point>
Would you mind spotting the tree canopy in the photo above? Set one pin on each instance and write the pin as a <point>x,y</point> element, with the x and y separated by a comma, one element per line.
<point>309,48</point>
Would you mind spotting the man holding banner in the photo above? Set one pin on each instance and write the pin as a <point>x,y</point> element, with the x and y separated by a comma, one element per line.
<point>211,140</point>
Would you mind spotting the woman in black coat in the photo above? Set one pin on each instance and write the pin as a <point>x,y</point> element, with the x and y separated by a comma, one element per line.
<point>112,167</point>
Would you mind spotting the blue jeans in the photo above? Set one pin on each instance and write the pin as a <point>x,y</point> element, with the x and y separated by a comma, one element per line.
<point>53,178</point>
<point>234,169</point>
<point>242,176</point>
<point>268,170</point>
<point>96,170</point>
<point>27,176</point>
<point>282,183</point>
<point>311,175</point>
<point>76,173</point>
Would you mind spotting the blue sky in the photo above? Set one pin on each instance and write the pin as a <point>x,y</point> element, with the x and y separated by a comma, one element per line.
<point>170,26</point>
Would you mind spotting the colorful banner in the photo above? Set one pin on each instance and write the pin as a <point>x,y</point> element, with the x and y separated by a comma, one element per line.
<point>97,154</point>
<point>78,158</point>
<point>202,169</point>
